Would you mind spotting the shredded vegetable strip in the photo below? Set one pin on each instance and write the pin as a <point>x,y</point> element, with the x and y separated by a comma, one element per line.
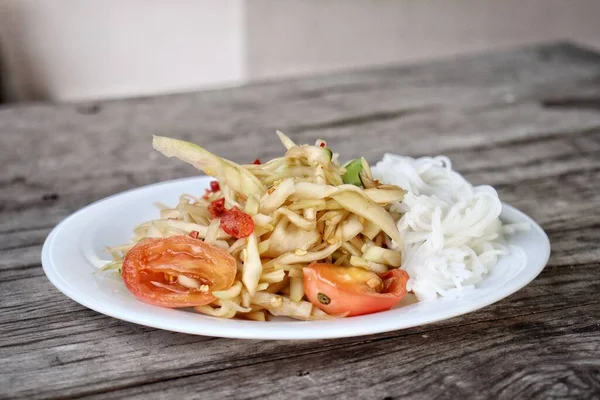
<point>302,209</point>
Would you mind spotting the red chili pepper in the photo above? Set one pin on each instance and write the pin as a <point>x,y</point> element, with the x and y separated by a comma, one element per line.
<point>257,162</point>
<point>322,144</point>
<point>214,188</point>
<point>237,223</point>
<point>217,208</point>
<point>194,234</point>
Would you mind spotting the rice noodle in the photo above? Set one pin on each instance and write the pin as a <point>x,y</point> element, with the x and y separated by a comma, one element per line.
<point>452,232</point>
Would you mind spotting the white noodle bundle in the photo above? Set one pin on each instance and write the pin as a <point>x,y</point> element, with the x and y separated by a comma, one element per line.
<point>452,233</point>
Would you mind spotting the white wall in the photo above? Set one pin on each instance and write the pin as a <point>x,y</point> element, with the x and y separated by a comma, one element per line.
<point>80,49</point>
<point>70,50</point>
<point>290,37</point>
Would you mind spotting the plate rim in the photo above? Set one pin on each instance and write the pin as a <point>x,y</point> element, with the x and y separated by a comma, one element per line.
<point>268,334</point>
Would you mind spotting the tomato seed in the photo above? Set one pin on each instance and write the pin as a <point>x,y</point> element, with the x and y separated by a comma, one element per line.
<point>323,298</point>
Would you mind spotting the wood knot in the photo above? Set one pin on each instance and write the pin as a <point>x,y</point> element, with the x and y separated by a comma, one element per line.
<point>50,196</point>
<point>88,109</point>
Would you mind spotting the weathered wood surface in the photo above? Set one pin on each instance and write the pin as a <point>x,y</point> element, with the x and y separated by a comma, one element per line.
<point>526,121</point>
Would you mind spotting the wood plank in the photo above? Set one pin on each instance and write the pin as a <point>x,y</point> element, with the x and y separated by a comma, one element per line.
<point>79,350</point>
<point>216,117</point>
<point>460,134</point>
<point>525,121</point>
<point>79,187</point>
<point>526,349</point>
<point>532,188</point>
<point>525,357</point>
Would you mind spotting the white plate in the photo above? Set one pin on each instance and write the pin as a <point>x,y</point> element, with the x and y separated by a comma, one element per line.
<point>75,249</point>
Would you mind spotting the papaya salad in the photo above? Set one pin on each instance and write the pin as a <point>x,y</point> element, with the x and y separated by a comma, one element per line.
<point>300,236</point>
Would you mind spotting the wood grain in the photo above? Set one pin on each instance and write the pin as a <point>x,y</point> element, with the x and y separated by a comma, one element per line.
<point>525,121</point>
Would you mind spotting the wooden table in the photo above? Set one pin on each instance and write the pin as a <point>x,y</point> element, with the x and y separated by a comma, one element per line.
<point>524,121</point>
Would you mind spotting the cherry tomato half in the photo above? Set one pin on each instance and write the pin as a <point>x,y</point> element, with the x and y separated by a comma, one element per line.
<point>152,270</point>
<point>353,291</point>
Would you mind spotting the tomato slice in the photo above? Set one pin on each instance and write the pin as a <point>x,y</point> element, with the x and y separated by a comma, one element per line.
<point>153,268</point>
<point>237,223</point>
<point>351,291</point>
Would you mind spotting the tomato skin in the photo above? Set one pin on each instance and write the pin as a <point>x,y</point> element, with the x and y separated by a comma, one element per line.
<point>350,297</point>
<point>237,223</point>
<point>153,259</point>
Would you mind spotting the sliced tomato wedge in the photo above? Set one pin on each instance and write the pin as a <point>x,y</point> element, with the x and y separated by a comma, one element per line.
<point>178,271</point>
<point>350,291</point>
